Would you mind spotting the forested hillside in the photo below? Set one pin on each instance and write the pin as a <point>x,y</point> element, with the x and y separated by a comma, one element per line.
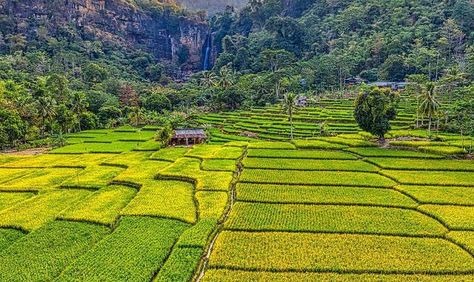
<point>333,40</point>
<point>66,66</point>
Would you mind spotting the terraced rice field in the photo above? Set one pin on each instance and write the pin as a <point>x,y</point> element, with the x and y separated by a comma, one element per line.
<point>347,214</point>
<point>128,212</point>
<point>308,210</point>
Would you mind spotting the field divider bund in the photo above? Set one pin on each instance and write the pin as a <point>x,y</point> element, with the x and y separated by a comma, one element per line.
<point>343,271</point>
<point>316,184</point>
<point>310,170</point>
<point>328,204</point>
<point>232,196</point>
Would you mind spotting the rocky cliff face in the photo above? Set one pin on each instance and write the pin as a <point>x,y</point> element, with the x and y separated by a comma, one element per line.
<point>168,35</point>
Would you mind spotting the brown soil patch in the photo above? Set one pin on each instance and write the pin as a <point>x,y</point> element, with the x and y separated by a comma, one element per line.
<point>27,152</point>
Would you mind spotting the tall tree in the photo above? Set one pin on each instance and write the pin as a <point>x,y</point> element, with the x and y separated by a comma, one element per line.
<point>374,109</point>
<point>429,105</point>
<point>289,106</point>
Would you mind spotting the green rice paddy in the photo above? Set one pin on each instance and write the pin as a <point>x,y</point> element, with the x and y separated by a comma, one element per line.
<point>115,206</point>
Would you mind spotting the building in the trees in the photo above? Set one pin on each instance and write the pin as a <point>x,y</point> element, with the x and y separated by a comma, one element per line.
<point>188,136</point>
<point>302,101</point>
<point>396,86</point>
<point>354,81</point>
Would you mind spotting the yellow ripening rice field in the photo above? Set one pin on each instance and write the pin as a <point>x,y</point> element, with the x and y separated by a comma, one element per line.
<point>327,209</point>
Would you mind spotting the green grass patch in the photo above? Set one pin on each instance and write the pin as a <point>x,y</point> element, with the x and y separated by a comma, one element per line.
<point>440,194</point>
<point>444,150</point>
<point>169,154</point>
<point>103,206</point>
<point>8,236</point>
<point>199,234</point>
<point>271,145</point>
<point>307,164</point>
<point>423,164</point>
<point>164,198</point>
<point>348,142</point>
<point>334,178</point>
<point>381,152</point>
<point>36,211</point>
<point>318,194</point>
<point>133,252</point>
<point>150,145</point>
<point>328,218</point>
<point>317,144</point>
<point>337,252</point>
<point>44,253</point>
<point>301,154</point>
<point>416,144</point>
<point>456,217</point>
<point>453,178</point>
<point>219,165</point>
<point>181,265</point>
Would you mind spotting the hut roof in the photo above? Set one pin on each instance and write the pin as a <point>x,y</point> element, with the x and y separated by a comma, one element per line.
<point>190,133</point>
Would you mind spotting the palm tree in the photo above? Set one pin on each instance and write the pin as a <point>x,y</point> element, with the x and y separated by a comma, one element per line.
<point>78,105</point>
<point>429,105</point>
<point>226,79</point>
<point>208,79</point>
<point>136,116</point>
<point>47,110</point>
<point>290,104</point>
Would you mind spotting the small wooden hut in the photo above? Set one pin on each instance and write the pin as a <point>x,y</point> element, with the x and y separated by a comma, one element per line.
<point>188,137</point>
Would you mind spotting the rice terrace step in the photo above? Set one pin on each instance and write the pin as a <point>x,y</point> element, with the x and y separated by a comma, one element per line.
<point>246,210</point>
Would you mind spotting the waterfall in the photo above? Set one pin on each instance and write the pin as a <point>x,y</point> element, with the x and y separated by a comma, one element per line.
<point>207,52</point>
